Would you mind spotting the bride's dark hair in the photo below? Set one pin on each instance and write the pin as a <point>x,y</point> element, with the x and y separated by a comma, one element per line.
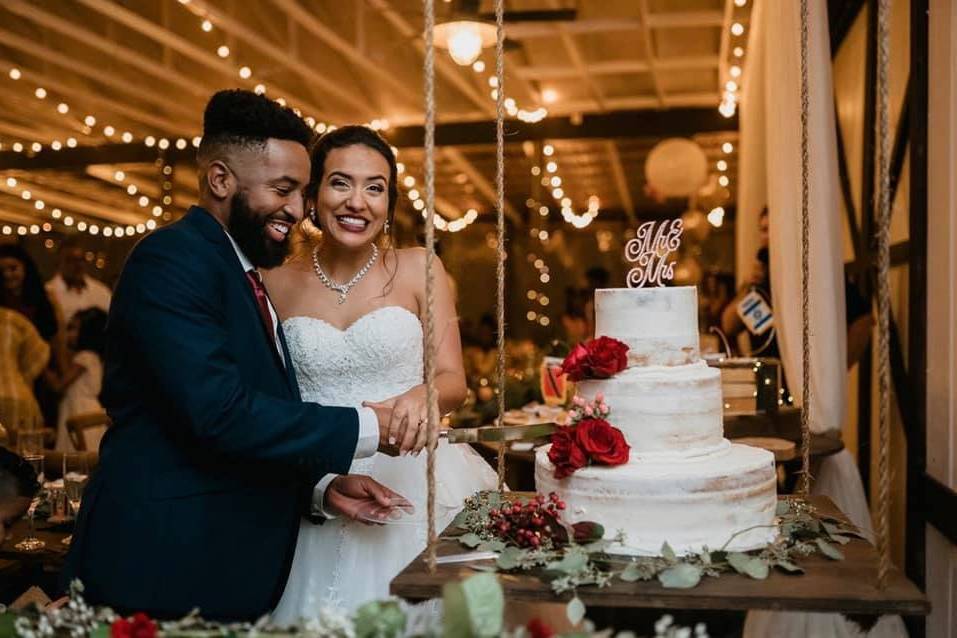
<point>353,135</point>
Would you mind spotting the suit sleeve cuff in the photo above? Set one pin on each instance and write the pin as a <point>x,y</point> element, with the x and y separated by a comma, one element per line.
<point>319,495</point>
<point>368,443</point>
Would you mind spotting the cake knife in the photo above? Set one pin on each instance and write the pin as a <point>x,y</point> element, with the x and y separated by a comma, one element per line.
<point>494,433</point>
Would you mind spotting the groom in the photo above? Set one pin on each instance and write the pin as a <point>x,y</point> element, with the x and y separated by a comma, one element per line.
<point>213,458</point>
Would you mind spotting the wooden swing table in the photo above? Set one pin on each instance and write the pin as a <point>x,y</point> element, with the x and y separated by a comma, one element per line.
<point>847,586</point>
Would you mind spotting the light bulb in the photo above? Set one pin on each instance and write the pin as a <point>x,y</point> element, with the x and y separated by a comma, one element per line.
<point>465,43</point>
<point>549,96</point>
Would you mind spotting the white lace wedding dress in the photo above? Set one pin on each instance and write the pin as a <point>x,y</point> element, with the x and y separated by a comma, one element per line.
<point>343,564</point>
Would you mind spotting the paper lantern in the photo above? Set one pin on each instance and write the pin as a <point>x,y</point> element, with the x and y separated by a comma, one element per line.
<point>676,167</point>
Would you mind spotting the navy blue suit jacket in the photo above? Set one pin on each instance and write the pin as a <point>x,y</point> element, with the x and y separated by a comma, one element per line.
<point>212,457</point>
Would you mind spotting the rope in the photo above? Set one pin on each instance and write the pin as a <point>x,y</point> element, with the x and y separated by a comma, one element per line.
<point>500,204</point>
<point>805,486</point>
<point>883,293</point>
<point>430,390</point>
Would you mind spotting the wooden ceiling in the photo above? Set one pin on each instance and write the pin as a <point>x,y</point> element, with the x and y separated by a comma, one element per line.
<point>147,67</point>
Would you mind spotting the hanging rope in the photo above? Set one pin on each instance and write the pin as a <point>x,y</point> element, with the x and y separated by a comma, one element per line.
<point>805,486</point>
<point>883,294</point>
<point>430,391</point>
<point>500,204</point>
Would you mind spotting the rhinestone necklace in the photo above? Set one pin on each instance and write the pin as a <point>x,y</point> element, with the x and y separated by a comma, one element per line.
<point>342,289</point>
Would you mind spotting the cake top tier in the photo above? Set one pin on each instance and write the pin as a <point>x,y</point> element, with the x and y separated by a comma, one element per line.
<point>659,325</point>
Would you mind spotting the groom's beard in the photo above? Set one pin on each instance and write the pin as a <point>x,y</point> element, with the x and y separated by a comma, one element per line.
<point>248,229</point>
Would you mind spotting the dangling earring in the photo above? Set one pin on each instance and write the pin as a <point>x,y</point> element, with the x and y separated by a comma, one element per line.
<point>385,229</point>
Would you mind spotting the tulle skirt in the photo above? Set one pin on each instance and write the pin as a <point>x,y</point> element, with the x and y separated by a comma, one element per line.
<point>343,564</point>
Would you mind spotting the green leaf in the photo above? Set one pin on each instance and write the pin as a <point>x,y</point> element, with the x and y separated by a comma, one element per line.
<point>681,576</point>
<point>783,509</point>
<point>829,550</point>
<point>494,545</point>
<point>510,558</point>
<point>575,610</point>
<point>460,519</point>
<point>749,566</point>
<point>788,566</point>
<point>473,608</point>
<point>379,620</point>
<point>633,573</point>
<point>470,540</point>
<point>572,562</point>
<point>101,631</point>
<point>667,552</point>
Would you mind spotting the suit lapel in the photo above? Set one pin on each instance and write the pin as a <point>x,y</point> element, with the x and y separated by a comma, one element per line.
<point>211,229</point>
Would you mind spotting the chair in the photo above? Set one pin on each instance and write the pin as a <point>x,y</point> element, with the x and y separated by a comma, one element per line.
<point>86,430</point>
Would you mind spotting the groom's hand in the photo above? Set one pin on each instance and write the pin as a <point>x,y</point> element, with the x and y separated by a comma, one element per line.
<point>350,495</point>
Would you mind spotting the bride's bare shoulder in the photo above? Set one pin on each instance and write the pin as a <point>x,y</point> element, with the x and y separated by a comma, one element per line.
<point>414,258</point>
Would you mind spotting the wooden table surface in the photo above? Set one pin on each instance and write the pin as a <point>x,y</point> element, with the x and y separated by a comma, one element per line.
<point>848,586</point>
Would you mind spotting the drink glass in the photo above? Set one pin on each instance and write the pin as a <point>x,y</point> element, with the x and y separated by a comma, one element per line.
<point>30,447</point>
<point>75,475</point>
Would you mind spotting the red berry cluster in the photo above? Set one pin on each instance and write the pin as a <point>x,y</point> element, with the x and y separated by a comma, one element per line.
<point>529,523</point>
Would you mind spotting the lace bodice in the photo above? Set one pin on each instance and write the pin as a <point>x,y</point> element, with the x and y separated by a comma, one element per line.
<point>375,358</point>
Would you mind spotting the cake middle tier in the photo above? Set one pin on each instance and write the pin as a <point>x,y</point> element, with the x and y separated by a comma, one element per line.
<point>664,411</point>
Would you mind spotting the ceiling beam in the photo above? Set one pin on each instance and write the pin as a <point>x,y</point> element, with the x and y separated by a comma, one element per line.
<point>313,25</point>
<point>657,20</point>
<point>482,185</point>
<point>450,71</point>
<point>97,74</point>
<point>351,106</point>
<point>186,48</point>
<point>132,113</point>
<point>619,67</point>
<point>648,42</point>
<point>117,52</point>
<point>574,54</point>
<point>621,181</point>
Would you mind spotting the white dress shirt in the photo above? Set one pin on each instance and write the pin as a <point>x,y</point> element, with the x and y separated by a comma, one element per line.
<point>368,442</point>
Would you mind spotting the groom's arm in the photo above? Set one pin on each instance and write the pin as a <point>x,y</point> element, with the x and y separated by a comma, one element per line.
<point>170,314</point>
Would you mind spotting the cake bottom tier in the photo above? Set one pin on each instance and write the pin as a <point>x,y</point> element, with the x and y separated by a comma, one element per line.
<point>723,500</point>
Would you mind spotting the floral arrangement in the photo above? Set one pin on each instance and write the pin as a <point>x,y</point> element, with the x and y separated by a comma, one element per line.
<point>583,557</point>
<point>589,439</point>
<point>471,608</point>
<point>599,358</point>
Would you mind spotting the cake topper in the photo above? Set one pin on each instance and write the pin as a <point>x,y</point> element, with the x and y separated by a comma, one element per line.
<point>649,250</point>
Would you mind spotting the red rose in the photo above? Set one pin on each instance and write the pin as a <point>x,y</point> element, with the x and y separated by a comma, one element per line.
<point>565,453</point>
<point>537,628</point>
<point>602,442</point>
<point>139,626</point>
<point>596,359</point>
<point>608,357</point>
<point>575,364</point>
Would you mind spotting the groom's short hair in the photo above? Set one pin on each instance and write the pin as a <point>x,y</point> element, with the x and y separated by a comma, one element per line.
<point>245,120</point>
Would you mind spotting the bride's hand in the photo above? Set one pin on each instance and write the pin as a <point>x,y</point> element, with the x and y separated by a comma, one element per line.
<point>408,422</point>
<point>359,497</point>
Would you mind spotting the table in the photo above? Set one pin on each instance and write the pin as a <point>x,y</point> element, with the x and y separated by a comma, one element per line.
<point>50,557</point>
<point>847,586</point>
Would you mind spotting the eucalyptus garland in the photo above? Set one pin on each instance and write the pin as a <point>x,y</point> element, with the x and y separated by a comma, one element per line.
<point>577,562</point>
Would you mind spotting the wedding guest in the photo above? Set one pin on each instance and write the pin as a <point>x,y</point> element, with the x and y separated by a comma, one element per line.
<point>18,485</point>
<point>23,290</point>
<point>72,288</point>
<point>574,322</point>
<point>23,355</point>
<point>80,392</point>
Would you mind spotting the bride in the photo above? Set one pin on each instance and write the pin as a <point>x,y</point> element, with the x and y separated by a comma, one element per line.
<point>351,306</point>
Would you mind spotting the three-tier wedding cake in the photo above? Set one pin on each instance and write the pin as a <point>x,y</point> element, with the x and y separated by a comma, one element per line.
<point>684,483</point>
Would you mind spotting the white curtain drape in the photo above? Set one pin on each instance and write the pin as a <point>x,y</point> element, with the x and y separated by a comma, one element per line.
<point>770,175</point>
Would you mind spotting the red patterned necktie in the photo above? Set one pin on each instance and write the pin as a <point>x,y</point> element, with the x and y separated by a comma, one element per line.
<point>262,302</point>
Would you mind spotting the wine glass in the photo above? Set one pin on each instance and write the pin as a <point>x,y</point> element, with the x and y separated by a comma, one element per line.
<point>75,475</point>
<point>30,447</point>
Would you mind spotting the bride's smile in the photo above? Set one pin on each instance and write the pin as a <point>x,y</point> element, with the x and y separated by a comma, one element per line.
<point>353,201</point>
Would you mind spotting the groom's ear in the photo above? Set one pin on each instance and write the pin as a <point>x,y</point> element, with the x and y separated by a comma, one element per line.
<point>219,179</point>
